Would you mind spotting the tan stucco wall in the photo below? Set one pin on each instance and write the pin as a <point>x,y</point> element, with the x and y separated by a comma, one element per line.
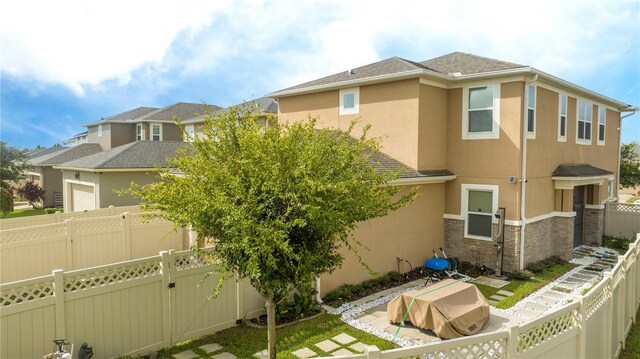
<point>171,132</point>
<point>486,161</point>
<point>104,140</point>
<point>110,181</point>
<point>391,109</point>
<point>545,153</point>
<point>52,183</point>
<point>409,233</point>
<point>122,133</point>
<point>432,128</point>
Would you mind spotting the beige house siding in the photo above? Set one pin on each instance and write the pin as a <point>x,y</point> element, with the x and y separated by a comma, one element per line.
<point>110,181</point>
<point>432,127</point>
<point>121,134</point>
<point>171,132</point>
<point>391,109</point>
<point>409,233</point>
<point>104,140</point>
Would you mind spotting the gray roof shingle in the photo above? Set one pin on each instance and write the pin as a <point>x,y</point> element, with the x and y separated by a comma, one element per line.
<point>264,104</point>
<point>467,64</point>
<point>139,154</point>
<point>579,170</point>
<point>181,110</point>
<point>126,116</point>
<point>44,151</point>
<point>385,163</point>
<point>65,155</point>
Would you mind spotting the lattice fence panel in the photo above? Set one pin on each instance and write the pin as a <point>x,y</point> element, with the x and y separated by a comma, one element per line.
<point>32,234</point>
<point>627,207</point>
<point>491,349</point>
<point>27,293</point>
<point>142,218</point>
<point>547,330</point>
<point>597,299</point>
<point>99,224</point>
<point>190,260</point>
<point>101,278</point>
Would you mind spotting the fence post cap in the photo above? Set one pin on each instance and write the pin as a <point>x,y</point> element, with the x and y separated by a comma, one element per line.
<point>371,349</point>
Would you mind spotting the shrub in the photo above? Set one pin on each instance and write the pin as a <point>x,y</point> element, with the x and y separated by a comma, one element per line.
<point>521,275</point>
<point>32,192</point>
<point>52,210</point>
<point>537,267</point>
<point>464,265</point>
<point>6,202</point>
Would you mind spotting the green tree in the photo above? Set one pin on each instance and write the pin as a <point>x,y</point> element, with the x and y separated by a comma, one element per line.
<point>11,165</point>
<point>279,201</point>
<point>629,165</point>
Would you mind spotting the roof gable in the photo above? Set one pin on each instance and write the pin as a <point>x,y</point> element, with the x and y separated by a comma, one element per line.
<point>181,110</point>
<point>123,116</point>
<point>68,154</point>
<point>467,64</point>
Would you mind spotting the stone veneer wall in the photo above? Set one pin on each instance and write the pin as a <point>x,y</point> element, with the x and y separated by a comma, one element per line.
<point>548,237</point>
<point>593,226</point>
<point>481,252</point>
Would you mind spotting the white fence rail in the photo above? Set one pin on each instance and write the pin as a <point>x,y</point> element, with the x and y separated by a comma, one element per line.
<point>591,326</point>
<point>131,307</point>
<point>622,219</point>
<point>34,251</point>
<point>11,223</point>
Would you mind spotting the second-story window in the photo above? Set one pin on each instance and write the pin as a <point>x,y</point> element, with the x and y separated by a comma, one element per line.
<point>156,132</point>
<point>481,117</point>
<point>562,119</point>
<point>139,132</point>
<point>99,130</point>
<point>189,132</point>
<point>531,111</point>
<point>583,135</point>
<point>349,101</point>
<point>602,124</point>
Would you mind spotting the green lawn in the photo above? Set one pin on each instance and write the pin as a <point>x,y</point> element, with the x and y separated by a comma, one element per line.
<point>633,199</point>
<point>244,341</point>
<point>522,288</point>
<point>25,213</point>
<point>632,344</point>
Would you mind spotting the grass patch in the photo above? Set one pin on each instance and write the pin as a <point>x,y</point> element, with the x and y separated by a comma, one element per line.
<point>632,344</point>
<point>25,213</point>
<point>244,341</point>
<point>620,244</point>
<point>633,199</point>
<point>523,288</point>
<point>350,292</point>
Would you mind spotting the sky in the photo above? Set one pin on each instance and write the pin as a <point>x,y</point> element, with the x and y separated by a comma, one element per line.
<point>66,63</point>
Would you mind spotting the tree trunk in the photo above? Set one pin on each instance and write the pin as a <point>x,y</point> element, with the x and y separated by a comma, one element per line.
<point>271,327</point>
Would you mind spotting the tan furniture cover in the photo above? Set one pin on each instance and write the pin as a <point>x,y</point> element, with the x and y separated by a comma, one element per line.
<point>450,308</point>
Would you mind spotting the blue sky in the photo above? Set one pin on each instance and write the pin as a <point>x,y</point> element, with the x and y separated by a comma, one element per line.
<point>72,62</point>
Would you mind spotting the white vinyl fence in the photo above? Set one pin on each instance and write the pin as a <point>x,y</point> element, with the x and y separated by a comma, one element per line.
<point>591,326</point>
<point>130,307</point>
<point>20,222</point>
<point>34,251</point>
<point>622,219</point>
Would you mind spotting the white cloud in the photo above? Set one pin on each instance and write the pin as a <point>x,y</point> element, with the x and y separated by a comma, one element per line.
<point>81,43</point>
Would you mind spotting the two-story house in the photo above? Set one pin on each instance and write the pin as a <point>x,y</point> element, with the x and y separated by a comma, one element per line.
<point>116,130</point>
<point>500,135</point>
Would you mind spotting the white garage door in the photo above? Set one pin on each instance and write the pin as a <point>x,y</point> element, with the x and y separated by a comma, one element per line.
<point>83,197</point>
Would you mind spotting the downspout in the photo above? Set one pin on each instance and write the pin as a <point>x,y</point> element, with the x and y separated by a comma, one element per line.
<point>318,297</point>
<point>523,179</point>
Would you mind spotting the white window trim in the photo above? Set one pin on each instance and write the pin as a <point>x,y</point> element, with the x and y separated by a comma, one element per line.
<point>495,133</point>
<point>581,141</point>
<point>465,206</point>
<point>99,130</point>
<point>140,136</point>
<point>151,130</point>
<point>356,101</point>
<point>610,188</point>
<point>600,109</point>
<point>566,117</point>
<point>532,134</point>
<point>190,132</point>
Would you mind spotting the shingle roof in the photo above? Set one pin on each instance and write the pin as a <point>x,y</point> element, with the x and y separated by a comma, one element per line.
<point>139,154</point>
<point>181,110</point>
<point>44,151</point>
<point>123,116</point>
<point>451,63</point>
<point>264,104</point>
<point>68,154</point>
<point>467,64</point>
<point>579,170</point>
<point>385,163</point>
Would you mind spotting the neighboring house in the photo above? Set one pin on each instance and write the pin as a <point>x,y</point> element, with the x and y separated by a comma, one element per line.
<point>264,105</point>
<point>90,182</point>
<point>77,139</point>
<point>160,125</point>
<point>49,178</point>
<point>116,130</point>
<point>515,137</point>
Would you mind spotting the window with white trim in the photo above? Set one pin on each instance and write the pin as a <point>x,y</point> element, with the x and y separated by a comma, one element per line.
<point>156,132</point>
<point>602,124</point>
<point>99,130</point>
<point>531,111</point>
<point>562,119</point>
<point>480,113</point>
<point>139,132</point>
<point>189,132</point>
<point>583,128</point>
<point>479,203</point>
<point>610,188</point>
<point>350,101</point>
